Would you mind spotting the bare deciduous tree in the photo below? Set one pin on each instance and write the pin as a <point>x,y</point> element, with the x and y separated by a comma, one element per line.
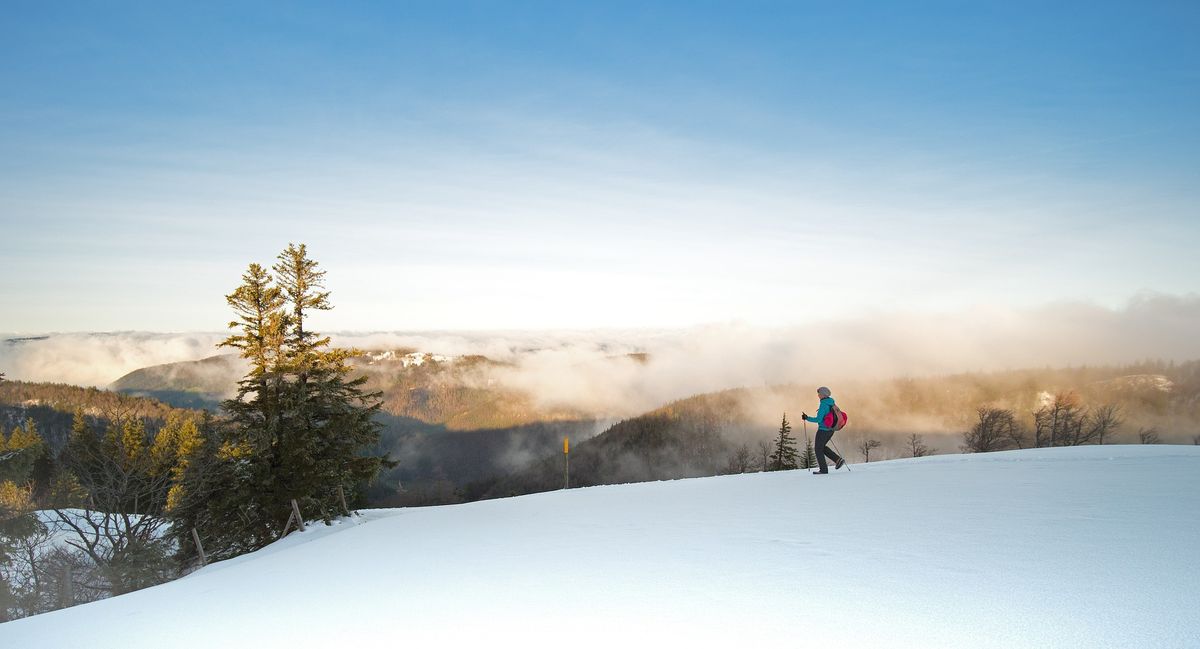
<point>1058,420</point>
<point>866,446</point>
<point>1016,434</point>
<point>1065,422</point>
<point>996,430</point>
<point>1102,421</point>
<point>763,446</point>
<point>739,462</point>
<point>113,508</point>
<point>1148,435</point>
<point>916,447</point>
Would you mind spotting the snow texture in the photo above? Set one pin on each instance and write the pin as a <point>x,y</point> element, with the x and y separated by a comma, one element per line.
<point>1068,547</point>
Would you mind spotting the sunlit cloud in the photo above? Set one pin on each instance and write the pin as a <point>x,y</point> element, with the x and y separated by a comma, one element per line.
<point>592,370</point>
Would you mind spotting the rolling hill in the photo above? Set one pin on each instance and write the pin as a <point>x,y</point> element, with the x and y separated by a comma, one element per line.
<point>1064,547</point>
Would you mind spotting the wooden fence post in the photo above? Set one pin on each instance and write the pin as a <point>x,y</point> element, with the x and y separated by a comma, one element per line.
<point>296,513</point>
<point>199,548</point>
<point>294,516</point>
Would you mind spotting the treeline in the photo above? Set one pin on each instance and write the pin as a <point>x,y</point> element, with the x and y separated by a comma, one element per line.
<point>446,422</point>
<point>1154,390</point>
<point>52,407</point>
<point>1064,420</point>
<point>121,505</point>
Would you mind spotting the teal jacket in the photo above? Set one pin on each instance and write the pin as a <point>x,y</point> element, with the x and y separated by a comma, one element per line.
<point>826,404</point>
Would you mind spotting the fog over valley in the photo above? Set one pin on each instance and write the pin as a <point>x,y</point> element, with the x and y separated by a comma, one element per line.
<point>623,373</point>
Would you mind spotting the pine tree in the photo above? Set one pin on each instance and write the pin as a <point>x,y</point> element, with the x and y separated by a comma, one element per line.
<point>261,324</point>
<point>22,449</point>
<point>298,426</point>
<point>133,440</point>
<point>254,443</point>
<point>808,459</point>
<point>784,456</point>
<point>331,417</point>
<point>79,425</point>
<point>24,437</point>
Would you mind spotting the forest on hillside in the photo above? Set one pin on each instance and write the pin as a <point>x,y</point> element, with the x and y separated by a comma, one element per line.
<point>454,437</point>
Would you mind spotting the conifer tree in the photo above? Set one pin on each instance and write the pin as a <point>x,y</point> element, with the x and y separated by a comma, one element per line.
<point>79,425</point>
<point>260,326</point>
<point>23,448</point>
<point>297,428</point>
<point>24,436</point>
<point>331,418</point>
<point>133,440</point>
<point>808,459</point>
<point>784,455</point>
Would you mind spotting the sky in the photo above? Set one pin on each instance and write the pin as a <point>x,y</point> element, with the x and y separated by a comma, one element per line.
<point>524,165</point>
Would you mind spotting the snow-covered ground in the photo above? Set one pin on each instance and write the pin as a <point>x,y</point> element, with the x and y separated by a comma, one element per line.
<point>1070,547</point>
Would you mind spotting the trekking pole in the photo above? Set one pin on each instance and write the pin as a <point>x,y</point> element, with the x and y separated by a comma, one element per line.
<point>839,452</point>
<point>805,422</point>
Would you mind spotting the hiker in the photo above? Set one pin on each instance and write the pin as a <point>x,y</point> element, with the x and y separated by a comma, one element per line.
<point>824,433</point>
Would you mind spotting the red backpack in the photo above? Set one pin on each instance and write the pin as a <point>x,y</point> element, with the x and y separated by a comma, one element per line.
<point>835,419</point>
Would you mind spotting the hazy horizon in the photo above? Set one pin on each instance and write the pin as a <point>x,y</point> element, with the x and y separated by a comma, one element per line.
<point>589,370</point>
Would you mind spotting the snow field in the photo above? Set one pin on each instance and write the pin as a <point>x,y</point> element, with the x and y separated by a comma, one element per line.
<point>1069,547</point>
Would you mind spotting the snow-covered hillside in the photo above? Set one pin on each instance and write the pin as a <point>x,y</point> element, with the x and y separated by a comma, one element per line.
<point>1072,547</point>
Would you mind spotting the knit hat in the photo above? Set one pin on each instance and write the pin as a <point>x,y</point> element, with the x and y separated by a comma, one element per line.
<point>823,392</point>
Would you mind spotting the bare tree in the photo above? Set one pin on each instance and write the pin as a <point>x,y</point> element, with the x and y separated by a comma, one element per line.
<point>1056,423</point>
<point>113,508</point>
<point>739,462</point>
<point>996,430</point>
<point>1016,433</point>
<point>1148,435</point>
<point>25,573</point>
<point>865,447</point>
<point>1102,421</point>
<point>763,446</point>
<point>916,447</point>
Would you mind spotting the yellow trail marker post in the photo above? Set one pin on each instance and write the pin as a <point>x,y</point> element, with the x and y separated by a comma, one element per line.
<point>566,463</point>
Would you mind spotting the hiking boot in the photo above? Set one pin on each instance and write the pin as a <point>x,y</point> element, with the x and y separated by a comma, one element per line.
<point>840,463</point>
<point>826,471</point>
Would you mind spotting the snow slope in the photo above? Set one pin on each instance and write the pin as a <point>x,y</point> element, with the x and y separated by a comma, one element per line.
<point>1070,547</point>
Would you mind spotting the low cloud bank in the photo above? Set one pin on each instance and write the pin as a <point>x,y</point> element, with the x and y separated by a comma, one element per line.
<point>594,371</point>
<point>98,359</point>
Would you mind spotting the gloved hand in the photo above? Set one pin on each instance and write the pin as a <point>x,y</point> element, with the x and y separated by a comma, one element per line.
<point>804,415</point>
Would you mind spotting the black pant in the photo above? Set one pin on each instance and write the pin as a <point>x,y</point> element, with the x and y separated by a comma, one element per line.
<point>823,437</point>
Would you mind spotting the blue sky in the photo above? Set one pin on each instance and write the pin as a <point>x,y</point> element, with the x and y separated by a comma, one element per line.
<point>549,165</point>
